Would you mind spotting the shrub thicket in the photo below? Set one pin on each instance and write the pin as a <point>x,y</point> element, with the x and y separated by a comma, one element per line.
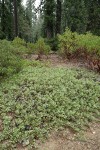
<point>10,62</point>
<point>86,46</point>
<point>31,48</point>
<point>11,54</point>
<point>67,43</point>
<point>90,43</point>
<point>19,46</point>
<point>41,48</point>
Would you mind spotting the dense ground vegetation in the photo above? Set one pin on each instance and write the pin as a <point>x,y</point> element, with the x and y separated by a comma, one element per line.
<point>36,98</point>
<point>41,99</point>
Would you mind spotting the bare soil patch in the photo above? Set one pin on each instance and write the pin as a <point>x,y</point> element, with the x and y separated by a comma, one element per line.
<point>56,61</point>
<point>66,140</point>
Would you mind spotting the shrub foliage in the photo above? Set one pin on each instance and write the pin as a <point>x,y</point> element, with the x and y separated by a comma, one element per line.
<point>42,99</point>
<point>41,47</point>
<point>10,62</point>
<point>86,46</point>
<point>19,46</point>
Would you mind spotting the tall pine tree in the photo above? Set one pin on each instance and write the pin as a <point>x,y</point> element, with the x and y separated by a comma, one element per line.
<point>49,18</point>
<point>75,15</point>
<point>58,16</point>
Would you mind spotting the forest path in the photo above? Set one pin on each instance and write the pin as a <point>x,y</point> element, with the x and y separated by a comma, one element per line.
<point>67,140</point>
<point>56,61</point>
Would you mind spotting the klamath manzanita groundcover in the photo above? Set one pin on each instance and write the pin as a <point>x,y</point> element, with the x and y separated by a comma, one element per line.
<point>42,99</point>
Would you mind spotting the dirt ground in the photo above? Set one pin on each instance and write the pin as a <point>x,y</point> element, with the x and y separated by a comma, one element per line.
<point>57,61</point>
<point>67,140</point>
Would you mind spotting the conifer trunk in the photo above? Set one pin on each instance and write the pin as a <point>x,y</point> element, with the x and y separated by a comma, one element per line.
<point>58,16</point>
<point>15,19</point>
<point>3,17</point>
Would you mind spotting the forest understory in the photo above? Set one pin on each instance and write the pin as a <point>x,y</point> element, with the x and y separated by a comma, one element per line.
<point>50,75</point>
<point>58,135</point>
<point>65,139</point>
<point>54,60</point>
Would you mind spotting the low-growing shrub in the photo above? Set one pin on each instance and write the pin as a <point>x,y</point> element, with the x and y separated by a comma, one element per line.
<point>39,100</point>
<point>18,41</point>
<point>90,43</point>
<point>35,63</point>
<point>9,62</point>
<point>19,46</point>
<point>67,43</point>
<point>31,48</point>
<point>42,48</point>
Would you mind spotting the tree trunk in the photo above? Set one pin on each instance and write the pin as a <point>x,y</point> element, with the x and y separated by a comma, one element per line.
<point>58,17</point>
<point>3,17</point>
<point>15,18</point>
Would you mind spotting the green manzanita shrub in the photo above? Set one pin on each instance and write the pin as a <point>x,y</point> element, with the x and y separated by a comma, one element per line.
<point>31,48</point>
<point>19,41</point>
<point>41,47</point>
<point>86,46</point>
<point>11,53</point>
<point>67,43</point>
<point>10,62</point>
<point>19,46</point>
<point>70,42</point>
<point>90,43</point>
<point>40,99</point>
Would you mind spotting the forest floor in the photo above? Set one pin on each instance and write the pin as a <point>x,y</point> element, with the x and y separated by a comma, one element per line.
<point>62,139</point>
<point>67,139</point>
<point>57,61</point>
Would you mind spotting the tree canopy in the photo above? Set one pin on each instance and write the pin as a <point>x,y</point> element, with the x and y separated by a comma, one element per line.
<point>50,18</point>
